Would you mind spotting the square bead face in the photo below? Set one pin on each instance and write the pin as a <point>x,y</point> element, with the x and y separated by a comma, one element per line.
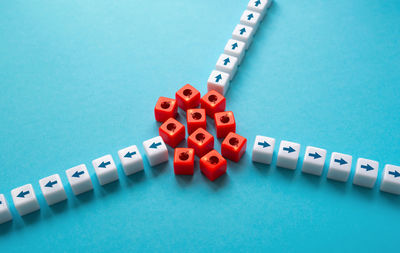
<point>250,18</point>
<point>259,5</point>
<point>263,149</point>
<point>201,141</point>
<point>213,165</point>
<point>5,214</point>
<point>156,151</point>
<point>233,147</point>
<point>131,160</point>
<point>288,155</point>
<point>224,123</point>
<point>25,200</point>
<point>339,167</point>
<point>391,179</point>
<point>165,108</point>
<point>52,189</point>
<point>172,132</point>
<point>243,33</point>
<point>235,48</point>
<point>228,64</point>
<point>366,173</point>
<point>79,179</point>
<point>314,160</point>
<point>187,97</point>
<point>213,102</point>
<point>196,118</point>
<point>105,169</point>
<point>218,81</point>
<point>184,161</point>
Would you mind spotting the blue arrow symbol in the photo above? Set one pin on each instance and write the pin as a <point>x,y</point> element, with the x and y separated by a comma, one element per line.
<point>315,155</point>
<point>155,145</point>
<point>264,144</point>
<point>258,2</point>
<point>22,194</point>
<point>218,77</point>
<point>234,45</point>
<point>367,167</point>
<point>50,184</point>
<point>130,154</point>
<point>250,16</point>
<point>104,164</point>
<point>243,30</point>
<point>340,161</point>
<point>394,173</point>
<point>78,173</point>
<point>226,61</point>
<point>0,202</point>
<point>289,149</point>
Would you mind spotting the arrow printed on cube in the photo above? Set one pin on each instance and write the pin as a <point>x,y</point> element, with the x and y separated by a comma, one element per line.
<point>289,149</point>
<point>394,173</point>
<point>104,164</point>
<point>340,161</point>
<point>257,3</point>
<point>155,145</point>
<point>218,77</point>
<point>234,46</point>
<point>51,183</point>
<point>250,16</point>
<point>130,154</point>
<point>78,174</point>
<point>22,194</point>
<point>315,155</point>
<point>263,144</point>
<point>243,30</point>
<point>226,61</point>
<point>367,167</point>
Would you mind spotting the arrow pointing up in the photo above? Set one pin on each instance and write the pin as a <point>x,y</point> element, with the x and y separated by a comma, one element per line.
<point>289,149</point>
<point>22,194</point>
<point>250,16</point>
<point>243,30</point>
<point>50,184</point>
<point>130,154</point>
<point>77,174</point>
<point>315,155</point>
<point>264,144</point>
<point>258,2</point>
<point>367,167</point>
<point>104,164</point>
<point>234,46</point>
<point>155,145</point>
<point>394,173</point>
<point>226,61</point>
<point>340,161</point>
<point>218,77</point>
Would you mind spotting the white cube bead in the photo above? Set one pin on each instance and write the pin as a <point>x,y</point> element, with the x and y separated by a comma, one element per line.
<point>105,169</point>
<point>314,160</point>
<point>131,160</point>
<point>235,48</point>
<point>288,155</point>
<point>366,173</point>
<point>243,33</point>
<point>339,167</point>
<point>52,189</point>
<point>391,179</point>
<point>156,151</point>
<point>79,179</point>
<point>260,6</point>
<point>24,199</point>
<point>218,81</point>
<point>251,18</point>
<point>263,149</point>
<point>228,64</point>
<point>5,214</point>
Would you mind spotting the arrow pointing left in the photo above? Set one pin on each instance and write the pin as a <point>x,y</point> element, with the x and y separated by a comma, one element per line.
<point>51,183</point>
<point>104,164</point>
<point>155,145</point>
<point>22,194</point>
<point>130,154</point>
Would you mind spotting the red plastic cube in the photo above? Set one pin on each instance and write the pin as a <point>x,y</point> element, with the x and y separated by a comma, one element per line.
<point>196,118</point>
<point>184,161</point>
<point>165,108</point>
<point>187,97</point>
<point>213,102</point>
<point>224,123</point>
<point>172,132</point>
<point>213,165</point>
<point>201,141</point>
<point>233,146</point>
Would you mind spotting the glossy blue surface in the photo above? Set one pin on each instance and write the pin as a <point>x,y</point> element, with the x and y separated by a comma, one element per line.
<point>80,80</point>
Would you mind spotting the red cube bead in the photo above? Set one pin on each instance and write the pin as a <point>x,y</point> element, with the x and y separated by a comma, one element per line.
<point>201,141</point>
<point>213,165</point>
<point>224,123</point>
<point>184,161</point>
<point>233,146</point>
<point>187,97</point>
<point>165,108</point>
<point>196,118</point>
<point>213,102</point>
<point>172,132</point>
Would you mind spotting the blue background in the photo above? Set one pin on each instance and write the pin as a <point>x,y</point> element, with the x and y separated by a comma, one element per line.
<point>79,79</point>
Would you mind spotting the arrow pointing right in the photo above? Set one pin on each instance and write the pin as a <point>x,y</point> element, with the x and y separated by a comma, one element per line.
<point>340,161</point>
<point>22,194</point>
<point>315,155</point>
<point>289,149</point>
<point>263,144</point>
<point>394,173</point>
<point>367,167</point>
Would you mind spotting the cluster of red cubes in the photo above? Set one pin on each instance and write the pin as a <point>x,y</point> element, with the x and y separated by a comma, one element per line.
<point>200,142</point>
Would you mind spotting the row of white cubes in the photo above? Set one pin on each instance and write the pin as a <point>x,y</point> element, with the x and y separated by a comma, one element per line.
<point>79,179</point>
<point>339,168</point>
<point>235,48</point>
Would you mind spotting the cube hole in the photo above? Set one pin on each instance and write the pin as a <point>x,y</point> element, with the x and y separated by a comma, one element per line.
<point>212,98</point>
<point>234,141</point>
<point>196,115</point>
<point>200,137</point>
<point>187,92</point>
<point>213,159</point>
<point>165,105</point>
<point>184,156</point>
<point>171,127</point>
<point>224,119</point>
